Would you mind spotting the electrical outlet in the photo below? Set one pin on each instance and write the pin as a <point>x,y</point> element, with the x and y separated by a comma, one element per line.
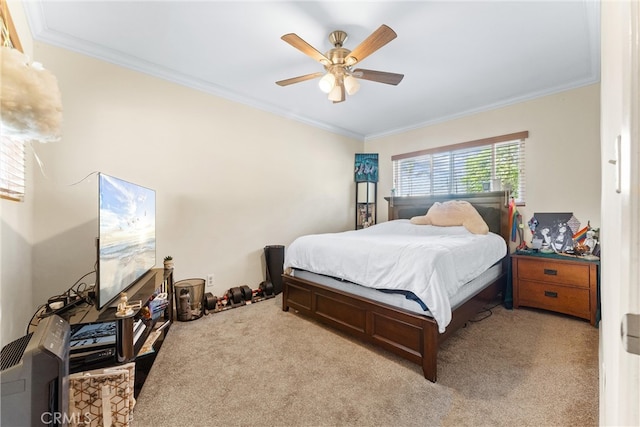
<point>210,280</point>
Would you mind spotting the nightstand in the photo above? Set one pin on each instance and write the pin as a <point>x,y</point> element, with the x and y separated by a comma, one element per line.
<point>558,283</point>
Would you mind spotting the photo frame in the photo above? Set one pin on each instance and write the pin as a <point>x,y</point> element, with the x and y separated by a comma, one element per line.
<point>554,231</point>
<point>366,167</point>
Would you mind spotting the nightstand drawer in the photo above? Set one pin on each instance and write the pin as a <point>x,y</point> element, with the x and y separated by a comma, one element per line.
<point>554,272</point>
<point>563,299</point>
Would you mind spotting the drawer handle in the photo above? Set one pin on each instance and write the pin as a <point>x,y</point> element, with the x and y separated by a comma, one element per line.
<point>550,272</point>
<point>550,294</point>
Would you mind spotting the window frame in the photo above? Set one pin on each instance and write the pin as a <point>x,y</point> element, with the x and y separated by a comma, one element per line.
<point>13,168</point>
<point>459,149</point>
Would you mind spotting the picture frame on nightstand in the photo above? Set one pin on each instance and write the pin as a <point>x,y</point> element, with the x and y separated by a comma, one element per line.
<point>553,231</point>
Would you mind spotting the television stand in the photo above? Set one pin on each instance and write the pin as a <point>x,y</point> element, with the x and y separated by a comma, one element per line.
<point>148,325</point>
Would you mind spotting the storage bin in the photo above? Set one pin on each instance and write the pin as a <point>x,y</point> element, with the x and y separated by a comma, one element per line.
<point>189,298</point>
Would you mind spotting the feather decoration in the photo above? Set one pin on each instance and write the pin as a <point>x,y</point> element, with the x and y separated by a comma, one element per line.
<point>30,100</point>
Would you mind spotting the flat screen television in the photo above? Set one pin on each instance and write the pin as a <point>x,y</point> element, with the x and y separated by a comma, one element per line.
<point>126,236</point>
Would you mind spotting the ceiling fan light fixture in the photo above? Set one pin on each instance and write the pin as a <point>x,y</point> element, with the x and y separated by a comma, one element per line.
<point>338,79</point>
<point>351,84</point>
<point>335,94</point>
<point>327,82</point>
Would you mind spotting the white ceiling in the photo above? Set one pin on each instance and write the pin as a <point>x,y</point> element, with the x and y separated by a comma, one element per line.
<point>457,57</point>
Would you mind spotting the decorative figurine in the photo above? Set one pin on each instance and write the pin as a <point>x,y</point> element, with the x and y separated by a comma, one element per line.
<point>590,241</point>
<point>124,309</point>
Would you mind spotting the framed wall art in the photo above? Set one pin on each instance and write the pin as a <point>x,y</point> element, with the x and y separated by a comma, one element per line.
<point>366,167</point>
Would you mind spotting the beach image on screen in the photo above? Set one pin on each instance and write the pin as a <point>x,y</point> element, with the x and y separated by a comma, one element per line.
<point>127,241</point>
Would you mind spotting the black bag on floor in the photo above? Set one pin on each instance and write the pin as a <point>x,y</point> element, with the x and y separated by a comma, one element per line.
<point>274,257</point>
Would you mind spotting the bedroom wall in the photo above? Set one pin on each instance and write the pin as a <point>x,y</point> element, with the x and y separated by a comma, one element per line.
<point>230,179</point>
<point>16,232</point>
<point>562,151</point>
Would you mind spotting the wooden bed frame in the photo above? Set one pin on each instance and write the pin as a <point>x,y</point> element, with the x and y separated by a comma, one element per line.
<point>411,336</point>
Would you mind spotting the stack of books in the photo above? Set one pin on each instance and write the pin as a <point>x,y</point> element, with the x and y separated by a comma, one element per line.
<point>157,306</point>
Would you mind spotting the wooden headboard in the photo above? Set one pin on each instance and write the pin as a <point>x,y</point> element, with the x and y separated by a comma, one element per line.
<point>492,206</point>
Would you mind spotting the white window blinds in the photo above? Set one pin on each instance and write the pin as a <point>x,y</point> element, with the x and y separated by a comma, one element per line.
<point>12,152</point>
<point>469,167</point>
<point>12,169</point>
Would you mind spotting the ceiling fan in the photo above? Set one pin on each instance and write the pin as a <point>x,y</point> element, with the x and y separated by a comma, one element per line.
<point>340,77</point>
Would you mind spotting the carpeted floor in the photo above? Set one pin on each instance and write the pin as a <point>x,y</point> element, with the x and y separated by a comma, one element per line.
<point>260,366</point>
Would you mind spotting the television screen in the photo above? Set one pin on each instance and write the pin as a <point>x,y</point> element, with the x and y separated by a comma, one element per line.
<point>126,236</point>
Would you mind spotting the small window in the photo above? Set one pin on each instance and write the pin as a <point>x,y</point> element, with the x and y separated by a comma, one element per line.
<point>469,167</point>
<point>12,157</point>
<point>12,169</point>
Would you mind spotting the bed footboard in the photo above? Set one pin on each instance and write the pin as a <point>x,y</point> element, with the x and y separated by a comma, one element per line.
<point>410,336</point>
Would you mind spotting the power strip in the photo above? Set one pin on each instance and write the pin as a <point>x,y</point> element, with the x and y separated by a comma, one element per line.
<point>65,307</point>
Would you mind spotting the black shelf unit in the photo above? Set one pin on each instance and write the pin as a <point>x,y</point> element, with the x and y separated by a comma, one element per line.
<point>127,347</point>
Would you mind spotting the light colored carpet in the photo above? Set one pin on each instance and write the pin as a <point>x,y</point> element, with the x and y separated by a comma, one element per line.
<point>260,366</point>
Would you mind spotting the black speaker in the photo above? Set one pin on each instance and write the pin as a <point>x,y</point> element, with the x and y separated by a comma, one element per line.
<point>274,257</point>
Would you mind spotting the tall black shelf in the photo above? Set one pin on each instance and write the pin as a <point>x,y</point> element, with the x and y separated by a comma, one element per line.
<point>366,178</point>
<point>366,206</point>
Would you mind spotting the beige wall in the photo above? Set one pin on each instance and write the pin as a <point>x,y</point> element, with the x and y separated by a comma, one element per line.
<point>229,179</point>
<point>562,151</point>
<point>16,232</point>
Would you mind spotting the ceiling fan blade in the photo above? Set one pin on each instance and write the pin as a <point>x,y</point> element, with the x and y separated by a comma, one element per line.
<point>375,41</point>
<point>299,79</point>
<point>304,47</point>
<point>378,76</point>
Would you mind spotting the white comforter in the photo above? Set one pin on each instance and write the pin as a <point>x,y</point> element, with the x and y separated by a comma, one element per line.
<point>432,262</point>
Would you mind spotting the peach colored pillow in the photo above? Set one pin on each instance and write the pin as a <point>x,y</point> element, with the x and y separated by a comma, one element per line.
<point>452,213</point>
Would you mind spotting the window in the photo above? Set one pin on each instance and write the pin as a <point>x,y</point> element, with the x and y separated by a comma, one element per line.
<point>463,168</point>
<point>12,158</point>
<point>12,169</point>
